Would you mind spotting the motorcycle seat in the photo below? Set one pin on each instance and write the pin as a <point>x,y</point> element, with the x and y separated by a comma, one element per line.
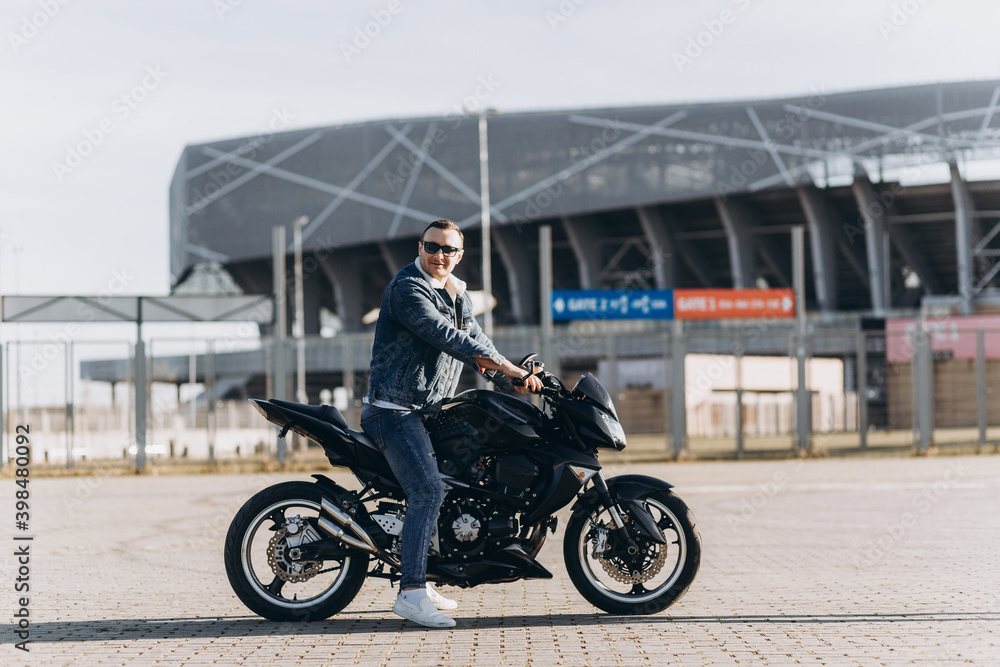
<point>324,413</point>
<point>362,438</point>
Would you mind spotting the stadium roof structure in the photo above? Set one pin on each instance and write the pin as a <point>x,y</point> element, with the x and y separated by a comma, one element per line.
<point>687,195</point>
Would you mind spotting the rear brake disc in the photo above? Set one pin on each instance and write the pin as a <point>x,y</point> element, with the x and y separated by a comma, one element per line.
<point>291,571</point>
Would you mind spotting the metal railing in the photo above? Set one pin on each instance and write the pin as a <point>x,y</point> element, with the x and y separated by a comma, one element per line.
<point>866,390</point>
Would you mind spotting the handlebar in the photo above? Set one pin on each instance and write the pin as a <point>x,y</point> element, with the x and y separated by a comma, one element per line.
<point>551,385</point>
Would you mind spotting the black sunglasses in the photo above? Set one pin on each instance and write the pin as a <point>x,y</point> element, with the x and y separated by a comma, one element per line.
<point>432,248</point>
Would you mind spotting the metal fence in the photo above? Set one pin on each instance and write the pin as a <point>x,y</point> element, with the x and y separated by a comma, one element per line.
<point>866,390</point>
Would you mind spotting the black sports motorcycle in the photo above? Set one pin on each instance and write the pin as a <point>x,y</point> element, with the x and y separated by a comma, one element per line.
<point>302,550</point>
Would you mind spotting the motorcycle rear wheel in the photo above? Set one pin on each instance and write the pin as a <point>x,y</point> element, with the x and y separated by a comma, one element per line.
<point>645,583</point>
<point>262,574</point>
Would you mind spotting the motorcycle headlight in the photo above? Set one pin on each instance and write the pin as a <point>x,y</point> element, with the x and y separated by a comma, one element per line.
<point>615,429</point>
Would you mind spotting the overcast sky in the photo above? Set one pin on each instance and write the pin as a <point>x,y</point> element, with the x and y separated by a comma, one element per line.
<point>131,83</point>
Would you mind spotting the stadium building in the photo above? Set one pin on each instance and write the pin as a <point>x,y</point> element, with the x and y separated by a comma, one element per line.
<point>895,188</point>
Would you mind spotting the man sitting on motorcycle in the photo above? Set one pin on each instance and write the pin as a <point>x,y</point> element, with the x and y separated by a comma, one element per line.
<point>424,335</point>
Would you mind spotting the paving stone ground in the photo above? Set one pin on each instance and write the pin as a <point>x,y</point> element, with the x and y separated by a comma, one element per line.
<point>816,562</point>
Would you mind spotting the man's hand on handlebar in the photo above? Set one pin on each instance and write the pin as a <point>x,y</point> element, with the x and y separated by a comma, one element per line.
<point>528,383</point>
<point>524,381</point>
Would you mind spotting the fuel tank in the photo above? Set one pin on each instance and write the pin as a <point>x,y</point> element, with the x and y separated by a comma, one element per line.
<point>485,422</point>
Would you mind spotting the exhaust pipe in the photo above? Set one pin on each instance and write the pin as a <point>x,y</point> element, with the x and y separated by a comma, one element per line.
<point>333,529</point>
<point>366,543</point>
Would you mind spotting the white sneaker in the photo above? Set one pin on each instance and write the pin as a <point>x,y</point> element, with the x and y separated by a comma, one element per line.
<point>440,601</point>
<point>425,613</point>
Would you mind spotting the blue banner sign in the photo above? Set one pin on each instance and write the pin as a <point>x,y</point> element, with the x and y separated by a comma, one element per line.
<point>602,304</point>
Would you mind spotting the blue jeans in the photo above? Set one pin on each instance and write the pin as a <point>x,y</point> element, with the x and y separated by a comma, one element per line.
<point>404,442</point>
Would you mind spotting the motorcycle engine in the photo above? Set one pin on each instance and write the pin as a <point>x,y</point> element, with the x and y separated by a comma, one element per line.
<point>467,527</point>
<point>462,527</point>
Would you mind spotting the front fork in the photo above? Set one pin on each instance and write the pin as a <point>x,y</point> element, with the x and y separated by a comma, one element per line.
<point>620,528</point>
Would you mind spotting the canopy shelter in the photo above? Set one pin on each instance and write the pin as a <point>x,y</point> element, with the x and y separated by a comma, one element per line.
<point>255,309</point>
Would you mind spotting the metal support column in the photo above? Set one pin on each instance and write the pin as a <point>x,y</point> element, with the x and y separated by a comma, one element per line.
<point>803,426</point>
<point>914,392</point>
<point>862,388</point>
<point>140,403</point>
<point>584,234</point>
<point>981,389</point>
<point>736,221</point>
<point>678,398</point>
<point>521,269</point>
<point>740,435</point>
<point>963,239</point>
<point>300,322</point>
<point>661,246</point>
<point>352,418</point>
<point>69,404</point>
<point>344,272</point>
<point>3,419</point>
<point>280,383</point>
<point>823,244</point>
<point>611,351</point>
<point>925,389</point>
<point>910,248</point>
<point>210,415</point>
<point>484,201</point>
<point>550,352</point>
<point>667,384</point>
<point>876,242</point>
<point>21,409</point>
<point>151,433</point>
<point>192,381</point>
<point>397,254</point>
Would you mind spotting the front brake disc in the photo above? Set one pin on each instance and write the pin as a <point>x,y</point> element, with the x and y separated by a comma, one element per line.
<point>643,568</point>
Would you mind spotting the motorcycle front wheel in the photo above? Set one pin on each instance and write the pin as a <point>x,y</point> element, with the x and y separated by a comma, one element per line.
<point>644,582</point>
<point>260,563</point>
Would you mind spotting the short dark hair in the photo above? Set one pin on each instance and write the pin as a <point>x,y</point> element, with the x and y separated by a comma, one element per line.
<point>444,224</point>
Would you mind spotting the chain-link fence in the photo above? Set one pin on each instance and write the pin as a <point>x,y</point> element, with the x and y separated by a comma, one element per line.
<point>738,390</point>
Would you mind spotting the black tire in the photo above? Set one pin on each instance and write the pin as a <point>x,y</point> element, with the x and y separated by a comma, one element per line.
<point>255,580</point>
<point>678,560</point>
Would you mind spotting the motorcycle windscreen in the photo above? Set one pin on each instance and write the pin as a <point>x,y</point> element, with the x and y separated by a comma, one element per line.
<point>590,387</point>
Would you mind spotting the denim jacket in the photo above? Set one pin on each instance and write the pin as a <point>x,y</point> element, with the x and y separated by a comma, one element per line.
<point>421,344</point>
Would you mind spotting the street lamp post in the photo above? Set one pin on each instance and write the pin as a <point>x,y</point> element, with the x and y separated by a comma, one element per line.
<point>279,387</point>
<point>484,189</point>
<point>300,324</point>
